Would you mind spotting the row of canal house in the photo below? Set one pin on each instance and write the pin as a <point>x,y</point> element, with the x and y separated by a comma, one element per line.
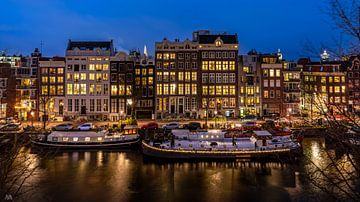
<point>196,78</point>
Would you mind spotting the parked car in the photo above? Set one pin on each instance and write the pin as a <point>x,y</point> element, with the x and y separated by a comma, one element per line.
<point>11,126</point>
<point>150,125</point>
<point>193,126</point>
<point>171,125</point>
<point>249,118</point>
<point>250,124</point>
<point>63,126</point>
<point>85,126</point>
<point>10,120</point>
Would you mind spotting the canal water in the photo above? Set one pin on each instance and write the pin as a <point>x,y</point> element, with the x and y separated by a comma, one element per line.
<point>128,176</point>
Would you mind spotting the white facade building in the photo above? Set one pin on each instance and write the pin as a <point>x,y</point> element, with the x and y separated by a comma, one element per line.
<point>87,79</point>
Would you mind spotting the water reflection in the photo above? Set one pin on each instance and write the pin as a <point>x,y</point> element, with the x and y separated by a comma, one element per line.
<point>128,176</point>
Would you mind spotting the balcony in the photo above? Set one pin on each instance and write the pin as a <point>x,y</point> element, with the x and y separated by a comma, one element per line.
<point>23,87</point>
<point>292,90</point>
<point>292,100</point>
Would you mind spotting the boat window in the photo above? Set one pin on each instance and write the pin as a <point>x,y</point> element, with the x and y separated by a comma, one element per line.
<point>55,139</point>
<point>126,132</point>
<point>75,139</point>
<point>99,138</point>
<point>87,139</point>
<point>65,139</point>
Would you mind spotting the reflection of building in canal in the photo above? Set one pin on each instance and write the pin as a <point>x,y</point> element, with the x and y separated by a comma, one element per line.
<point>212,181</point>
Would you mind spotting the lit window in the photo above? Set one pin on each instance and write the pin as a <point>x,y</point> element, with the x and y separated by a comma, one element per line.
<point>187,89</point>
<point>83,89</point>
<point>172,89</point>
<point>211,65</point>
<point>128,90</point>
<point>159,89</point>
<point>158,56</point>
<point>105,67</point>
<point>76,89</point>
<point>52,79</point>
<point>75,139</point>
<point>180,89</point>
<point>205,65</point>
<point>83,76</point>
<point>266,94</point>
<point>44,90</point>
<point>217,43</point>
<point>271,72</point>
<point>225,65</point>
<point>204,90</point>
<point>232,66</point>
<point>323,89</point>
<point>181,76</point>
<point>52,90</point>
<point>218,90</point>
<point>87,139</point>
<point>91,76</point>
<point>44,79</point>
<point>193,76</point>
<point>278,73</point>
<point>92,67</point>
<point>60,71</point>
<point>60,79</point>
<point>69,89</point>
<point>194,89</point>
<point>218,65</point>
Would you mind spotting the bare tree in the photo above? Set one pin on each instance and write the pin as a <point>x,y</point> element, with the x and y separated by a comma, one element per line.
<point>44,103</point>
<point>344,16</point>
<point>17,167</point>
<point>335,170</point>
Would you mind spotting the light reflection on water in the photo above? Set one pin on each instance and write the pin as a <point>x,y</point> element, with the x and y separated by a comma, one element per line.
<point>127,176</point>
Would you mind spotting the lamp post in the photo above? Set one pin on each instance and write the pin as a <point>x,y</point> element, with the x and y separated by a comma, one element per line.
<point>215,113</point>
<point>32,118</point>
<point>121,117</point>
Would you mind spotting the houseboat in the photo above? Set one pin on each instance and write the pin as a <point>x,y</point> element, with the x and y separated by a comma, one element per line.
<point>217,144</point>
<point>92,139</point>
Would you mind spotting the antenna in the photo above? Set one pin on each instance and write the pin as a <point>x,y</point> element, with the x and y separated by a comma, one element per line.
<point>41,46</point>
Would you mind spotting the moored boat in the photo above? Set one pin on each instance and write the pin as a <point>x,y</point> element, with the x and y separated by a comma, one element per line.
<point>215,144</point>
<point>77,139</point>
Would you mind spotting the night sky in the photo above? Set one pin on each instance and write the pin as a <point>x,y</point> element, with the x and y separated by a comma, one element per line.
<point>265,25</point>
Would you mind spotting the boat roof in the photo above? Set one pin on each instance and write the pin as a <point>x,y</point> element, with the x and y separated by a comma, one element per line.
<point>77,134</point>
<point>262,133</point>
<point>127,127</point>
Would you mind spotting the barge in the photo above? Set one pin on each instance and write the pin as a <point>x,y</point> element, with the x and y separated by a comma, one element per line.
<point>215,144</point>
<point>76,139</point>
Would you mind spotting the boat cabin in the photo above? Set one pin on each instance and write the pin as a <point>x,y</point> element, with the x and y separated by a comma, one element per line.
<point>261,138</point>
<point>186,134</point>
<point>131,130</point>
<point>74,137</point>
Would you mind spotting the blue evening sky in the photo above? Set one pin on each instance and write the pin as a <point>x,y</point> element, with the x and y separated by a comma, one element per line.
<point>265,25</point>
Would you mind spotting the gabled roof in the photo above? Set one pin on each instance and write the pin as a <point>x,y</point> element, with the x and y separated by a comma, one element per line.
<point>90,45</point>
<point>211,38</point>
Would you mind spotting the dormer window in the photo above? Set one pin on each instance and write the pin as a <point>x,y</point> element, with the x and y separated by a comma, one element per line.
<point>218,43</point>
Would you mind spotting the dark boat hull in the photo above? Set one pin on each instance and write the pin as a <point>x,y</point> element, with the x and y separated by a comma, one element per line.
<point>104,145</point>
<point>156,152</point>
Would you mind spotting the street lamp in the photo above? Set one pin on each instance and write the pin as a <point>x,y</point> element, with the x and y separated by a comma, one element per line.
<point>32,118</point>
<point>121,117</point>
<point>215,113</point>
